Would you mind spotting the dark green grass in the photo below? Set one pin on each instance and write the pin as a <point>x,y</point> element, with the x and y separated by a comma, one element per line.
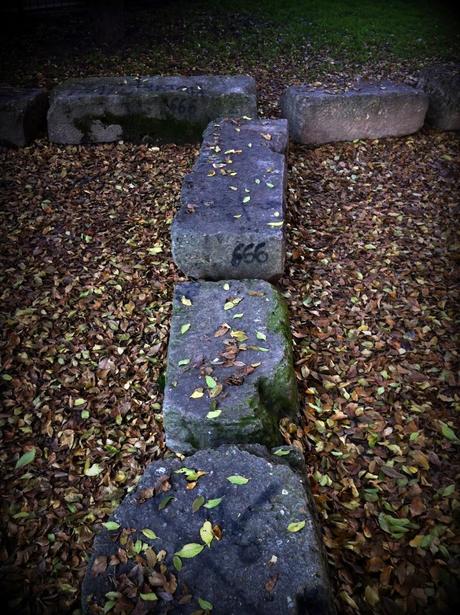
<point>357,30</point>
<point>183,36</point>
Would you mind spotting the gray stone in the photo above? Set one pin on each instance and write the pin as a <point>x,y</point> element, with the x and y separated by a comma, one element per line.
<point>256,374</point>
<point>369,111</point>
<point>230,223</point>
<point>441,82</point>
<point>151,109</point>
<point>258,567</point>
<point>22,114</point>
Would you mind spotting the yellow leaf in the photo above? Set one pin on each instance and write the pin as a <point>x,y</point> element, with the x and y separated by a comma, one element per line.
<point>197,393</point>
<point>239,335</point>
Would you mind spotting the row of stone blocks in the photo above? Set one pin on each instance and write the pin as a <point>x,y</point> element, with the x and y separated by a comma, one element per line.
<point>231,527</point>
<point>177,109</point>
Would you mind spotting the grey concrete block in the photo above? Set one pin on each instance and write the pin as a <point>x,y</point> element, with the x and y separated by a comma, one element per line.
<point>231,220</point>
<point>22,114</point>
<point>236,333</point>
<point>149,109</point>
<point>369,111</point>
<point>258,567</point>
<point>441,82</point>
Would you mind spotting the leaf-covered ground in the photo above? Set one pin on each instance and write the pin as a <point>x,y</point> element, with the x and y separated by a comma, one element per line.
<point>86,283</point>
<point>87,278</point>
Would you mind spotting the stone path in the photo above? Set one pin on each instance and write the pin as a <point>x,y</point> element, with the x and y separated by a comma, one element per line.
<point>243,541</point>
<point>157,109</point>
<point>442,85</point>
<point>22,115</point>
<point>231,220</point>
<point>370,111</point>
<point>229,529</point>
<point>230,376</point>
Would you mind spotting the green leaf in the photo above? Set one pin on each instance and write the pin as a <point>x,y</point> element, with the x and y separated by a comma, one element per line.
<point>151,597</point>
<point>447,432</point>
<point>190,550</point>
<point>165,501</point>
<point>213,503</point>
<point>229,305</point>
<point>111,525</point>
<point>449,490</point>
<point>213,414</point>
<point>183,362</point>
<point>198,503</point>
<point>108,606</point>
<point>261,336</point>
<point>28,457</point>
<point>205,605</point>
<point>237,480</point>
<point>185,328</point>
<point>246,199</point>
<point>281,452</point>
<point>79,402</point>
<point>190,475</point>
<point>94,470</point>
<point>177,563</point>
<point>149,534</point>
<point>138,546</point>
<point>296,526</point>
<point>206,533</point>
<point>210,382</point>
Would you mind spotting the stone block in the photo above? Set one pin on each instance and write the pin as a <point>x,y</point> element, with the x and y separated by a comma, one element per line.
<point>146,109</point>
<point>441,83</point>
<point>368,111</point>
<point>22,115</point>
<point>231,220</point>
<point>229,376</point>
<point>246,558</point>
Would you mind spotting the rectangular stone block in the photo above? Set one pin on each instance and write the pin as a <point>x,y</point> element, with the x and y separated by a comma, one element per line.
<point>248,547</point>
<point>229,376</point>
<point>146,109</point>
<point>368,111</point>
<point>441,83</point>
<point>22,114</point>
<point>231,220</point>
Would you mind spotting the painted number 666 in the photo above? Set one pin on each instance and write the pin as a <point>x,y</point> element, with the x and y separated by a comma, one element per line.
<point>248,254</point>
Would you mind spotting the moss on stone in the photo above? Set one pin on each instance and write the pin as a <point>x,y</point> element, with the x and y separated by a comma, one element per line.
<point>139,128</point>
<point>281,390</point>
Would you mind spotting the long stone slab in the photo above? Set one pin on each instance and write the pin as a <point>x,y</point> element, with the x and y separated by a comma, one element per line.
<point>152,109</point>
<point>237,553</point>
<point>22,114</point>
<point>229,376</point>
<point>230,222</point>
<point>368,111</point>
<point>441,82</point>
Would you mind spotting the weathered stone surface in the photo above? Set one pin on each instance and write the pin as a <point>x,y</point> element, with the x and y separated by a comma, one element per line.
<point>230,223</point>
<point>257,568</point>
<point>369,111</point>
<point>22,114</point>
<point>153,109</point>
<point>441,82</point>
<point>256,374</point>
